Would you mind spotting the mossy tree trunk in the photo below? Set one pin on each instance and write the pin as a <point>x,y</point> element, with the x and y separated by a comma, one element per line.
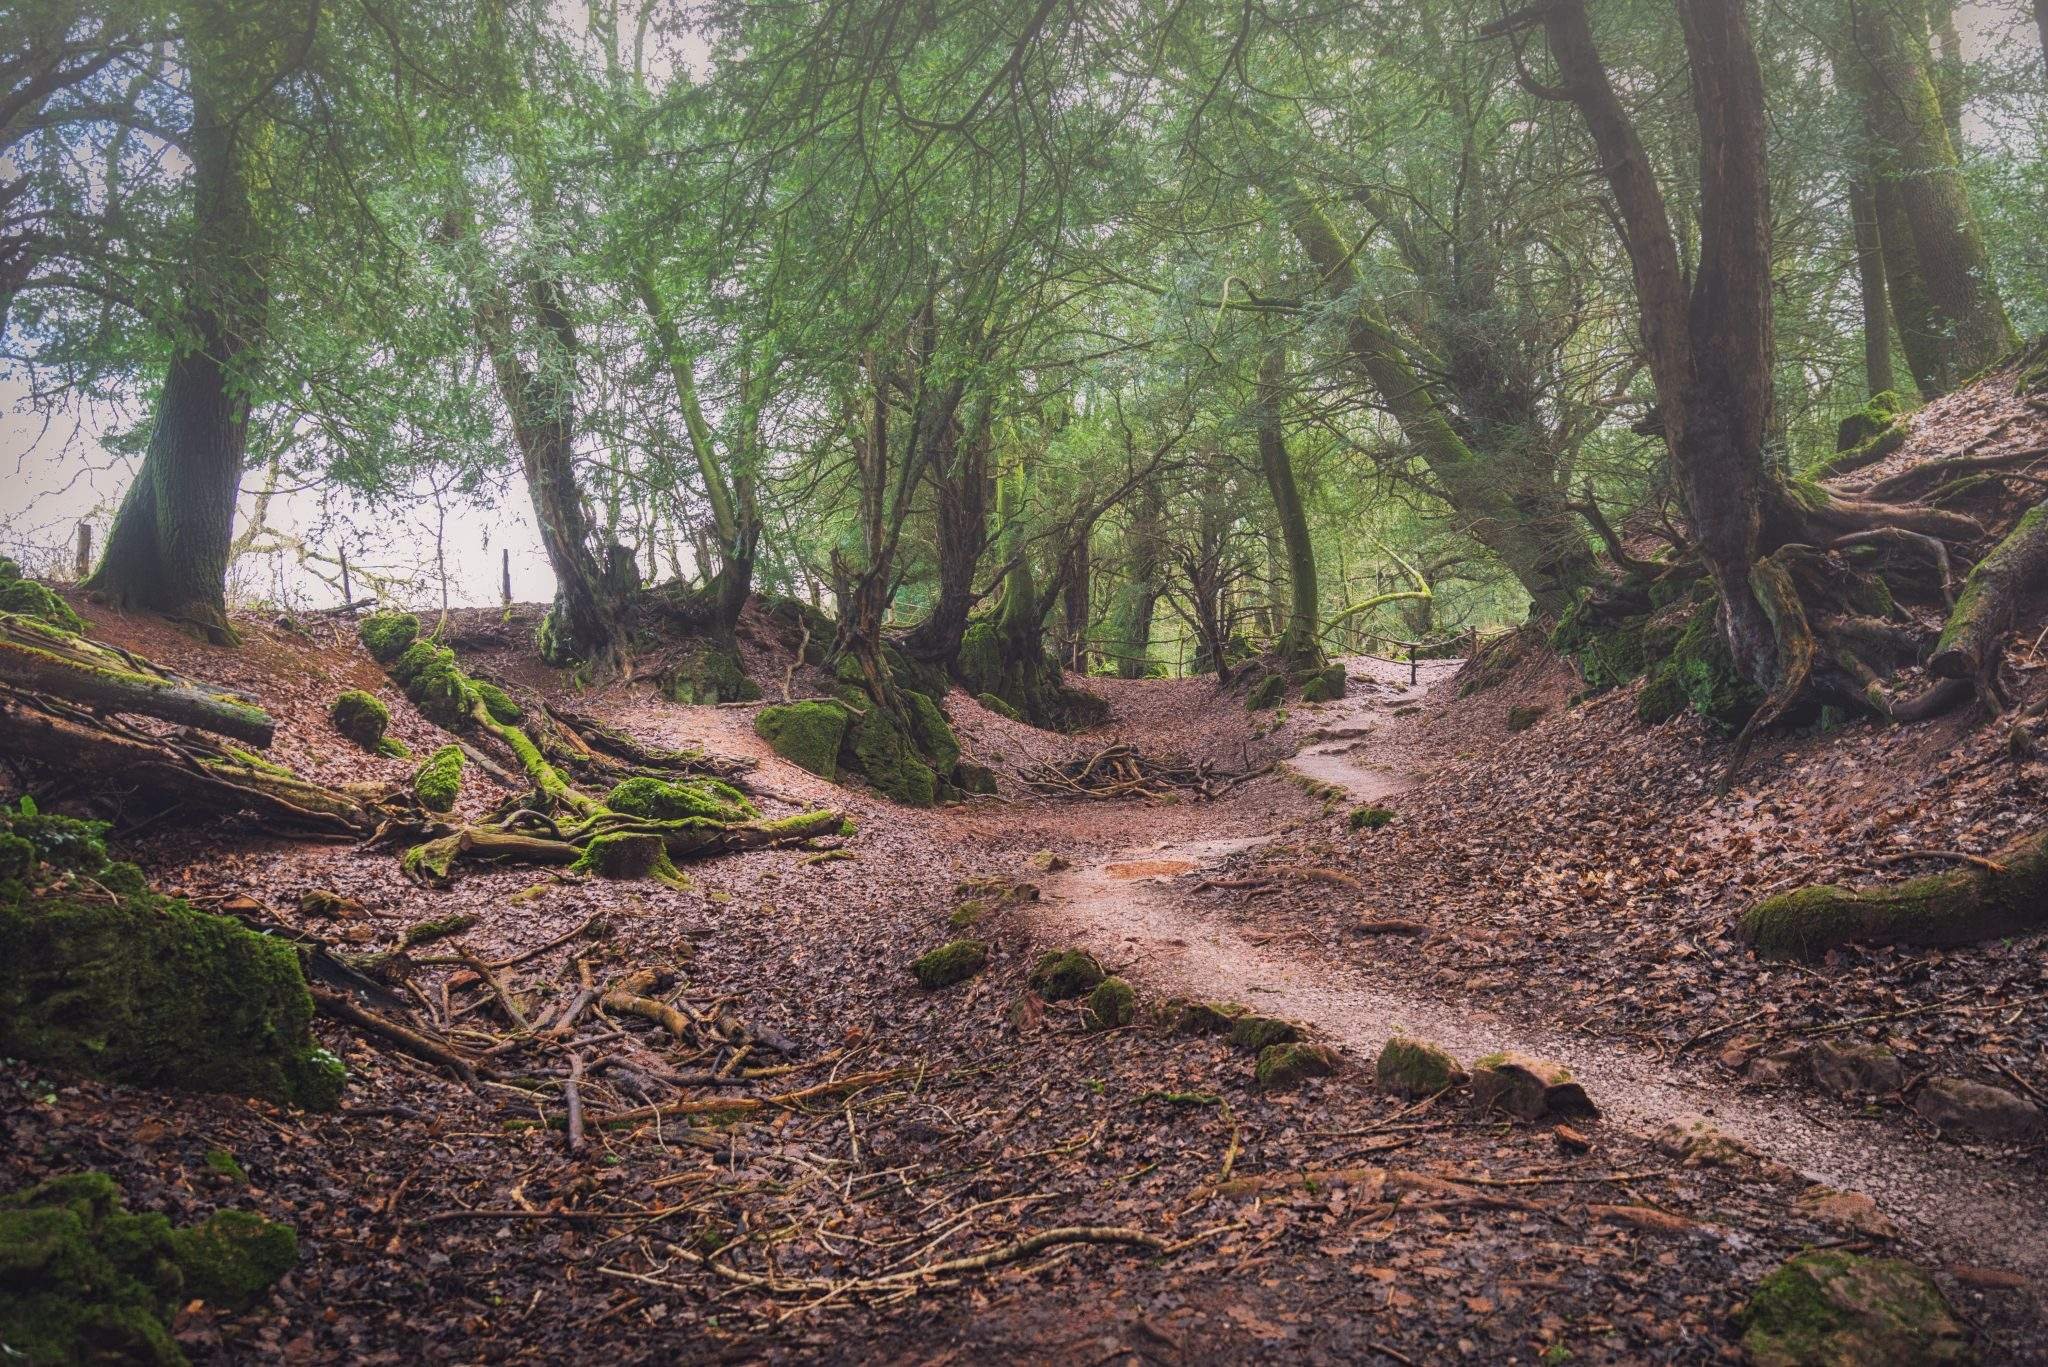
<point>1972,643</point>
<point>1877,331</point>
<point>1077,587</point>
<point>959,480</point>
<point>1954,324</point>
<point>169,548</point>
<point>1298,646</point>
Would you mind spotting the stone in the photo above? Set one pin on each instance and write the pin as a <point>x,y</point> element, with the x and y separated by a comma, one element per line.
<point>1697,1143</point>
<point>1413,1067</point>
<point>1283,1065</point>
<point>1830,1307</point>
<point>1845,1068</point>
<point>1847,1209</point>
<point>1979,1110</point>
<point>1529,1089</point>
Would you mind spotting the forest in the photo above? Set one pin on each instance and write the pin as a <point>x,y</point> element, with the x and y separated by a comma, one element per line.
<point>1078,680</point>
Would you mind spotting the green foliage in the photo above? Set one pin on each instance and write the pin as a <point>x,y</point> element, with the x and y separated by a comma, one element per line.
<point>144,989</point>
<point>439,781</point>
<point>360,717</point>
<point>807,734</point>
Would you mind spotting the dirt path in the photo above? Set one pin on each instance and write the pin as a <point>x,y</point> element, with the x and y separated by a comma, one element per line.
<point>1127,911</point>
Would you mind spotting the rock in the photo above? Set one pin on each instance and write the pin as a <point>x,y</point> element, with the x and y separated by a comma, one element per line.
<point>1845,1068</point>
<point>1849,1209</point>
<point>1045,861</point>
<point>1283,1065</point>
<point>1111,1005</point>
<point>949,964</point>
<point>1258,1033</point>
<point>1529,1089</point>
<point>1413,1067</point>
<point>1522,718</point>
<point>1207,1018</point>
<point>1953,1103</point>
<point>1698,1144</point>
<point>1772,1070</point>
<point>329,903</point>
<point>1831,1307</point>
<point>1062,975</point>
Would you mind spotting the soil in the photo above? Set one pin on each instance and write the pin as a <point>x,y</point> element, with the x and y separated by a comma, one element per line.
<point>1577,881</point>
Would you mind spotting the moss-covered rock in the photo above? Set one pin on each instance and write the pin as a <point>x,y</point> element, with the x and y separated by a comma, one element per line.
<point>1315,690</point>
<point>628,855</point>
<point>1256,1034</point>
<point>1660,698</point>
<point>1523,718</point>
<point>932,733</point>
<point>967,913</point>
<point>1061,975</point>
<point>1876,415</point>
<point>387,634</point>
<point>661,800</point>
<point>1267,692</point>
<point>882,752</point>
<point>1283,1065</point>
<point>1830,1308</point>
<point>1607,652</point>
<point>1369,818</point>
<point>439,781</point>
<point>1207,1018</point>
<point>807,734</point>
<point>1702,671</point>
<point>233,1258</point>
<point>949,963</point>
<point>360,717</point>
<point>30,599</point>
<point>1112,1005</point>
<point>974,778</point>
<point>144,989</point>
<point>998,706</point>
<point>709,674</point>
<point>82,1279</point>
<point>1413,1067</point>
<point>436,684</point>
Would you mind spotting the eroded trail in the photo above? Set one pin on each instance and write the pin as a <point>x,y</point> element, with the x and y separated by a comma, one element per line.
<point>1130,912</point>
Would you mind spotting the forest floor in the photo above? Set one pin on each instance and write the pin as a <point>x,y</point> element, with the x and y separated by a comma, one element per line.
<point>1578,878</point>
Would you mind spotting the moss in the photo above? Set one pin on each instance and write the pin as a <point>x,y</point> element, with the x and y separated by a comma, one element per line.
<point>1208,1018</point>
<point>232,1259</point>
<point>1283,1065</point>
<point>1267,692</point>
<point>84,1280</point>
<point>1831,1306</point>
<point>146,990</point>
<point>1324,686</point>
<point>433,861</point>
<point>709,674</point>
<point>1608,653</point>
<point>1410,1067</point>
<point>1258,1033</point>
<point>998,706</point>
<point>950,964</point>
<point>1062,975</point>
<point>431,678</point>
<point>662,800</point>
<point>974,778</point>
<point>626,855</point>
<point>934,737</point>
<point>1369,818</point>
<point>967,913</point>
<point>1702,669</point>
<point>17,858</point>
<point>1661,698</point>
<point>223,1162</point>
<point>1523,718</point>
<point>386,635</point>
<point>879,749</point>
<point>391,747</point>
<point>360,717</point>
<point>497,702</point>
<point>1873,417</point>
<point>1315,690</point>
<point>807,734</point>
<point>554,644</point>
<point>848,827</point>
<point>30,599</point>
<point>439,781</point>
<point>1112,1005</point>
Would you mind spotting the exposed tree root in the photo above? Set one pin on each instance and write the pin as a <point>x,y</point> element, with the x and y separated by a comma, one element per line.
<point>1972,644</point>
<point>1962,906</point>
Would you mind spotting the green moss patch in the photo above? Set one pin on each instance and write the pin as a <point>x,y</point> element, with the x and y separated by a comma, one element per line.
<point>1266,693</point>
<point>661,800</point>
<point>1255,1034</point>
<point>807,734</point>
<point>1369,818</point>
<point>387,634</point>
<point>497,702</point>
<point>1411,1067</point>
<point>1207,1018</point>
<point>431,678</point>
<point>628,855</point>
<point>1284,1065</point>
<point>360,717</point>
<point>146,990</point>
<point>232,1259</point>
<point>709,674</point>
<point>439,781</point>
<point>949,964</point>
<point>27,598</point>
<point>1830,1306</point>
<point>1112,1005</point>
<point>1062,975</point>
<point>996,705</point>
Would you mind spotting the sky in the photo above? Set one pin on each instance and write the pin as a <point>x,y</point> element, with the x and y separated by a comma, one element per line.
<point>55,472</point>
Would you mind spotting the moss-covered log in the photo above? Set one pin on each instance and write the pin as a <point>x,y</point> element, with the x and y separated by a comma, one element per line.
<point>1972,643</point>
<point>42,659</point>
<point>2006,895</point>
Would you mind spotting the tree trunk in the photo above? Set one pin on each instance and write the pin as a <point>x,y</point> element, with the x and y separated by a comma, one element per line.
<point>1297,647</point>
<point>1877,333</point>
<point>1964,327</point>
<point>44,660</point>
<point>1130,621</point>
<point>1078,586</point>
<point>959,480</point>
<point>1972,644</point>
<point>168,550</point>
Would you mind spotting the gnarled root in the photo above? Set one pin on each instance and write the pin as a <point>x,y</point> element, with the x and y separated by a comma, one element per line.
<point>2006,895</point>
<point>1972,644</point>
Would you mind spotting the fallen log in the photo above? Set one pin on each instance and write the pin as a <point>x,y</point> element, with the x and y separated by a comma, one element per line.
<point>1962,906</point>
<point>38,658</point>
